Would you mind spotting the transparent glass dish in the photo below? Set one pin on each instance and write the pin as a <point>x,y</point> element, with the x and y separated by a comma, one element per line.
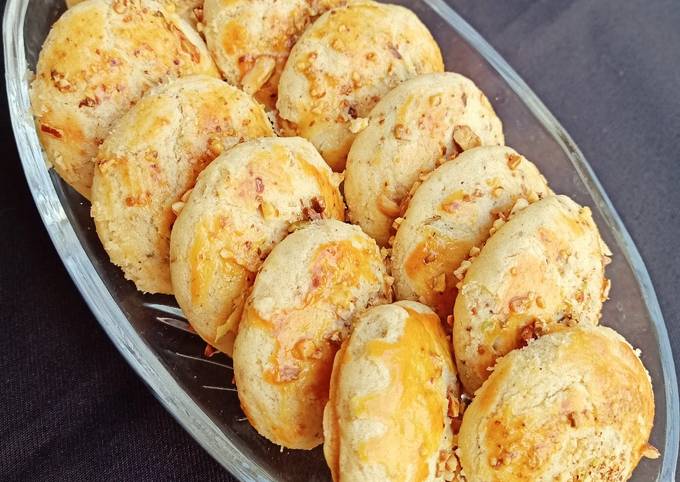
<point>152,335</point>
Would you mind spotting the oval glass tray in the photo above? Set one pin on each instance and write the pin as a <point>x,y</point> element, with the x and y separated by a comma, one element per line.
<point>152,335</point>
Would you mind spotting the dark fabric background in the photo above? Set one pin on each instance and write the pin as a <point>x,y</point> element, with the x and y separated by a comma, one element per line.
<point>70,407</point>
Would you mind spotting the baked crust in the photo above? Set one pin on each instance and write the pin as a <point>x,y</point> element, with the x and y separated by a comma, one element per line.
<point>301,307</point>
<point>544,267</point>
<point>343,64</point>
<point>393,394</point>
<point>576,404</point>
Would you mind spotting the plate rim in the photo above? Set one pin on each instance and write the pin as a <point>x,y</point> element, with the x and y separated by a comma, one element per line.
<point>139,355</point>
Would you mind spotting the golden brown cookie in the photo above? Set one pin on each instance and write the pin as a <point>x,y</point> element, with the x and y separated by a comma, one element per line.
<point>152,157</point>
<point>99,58</point>
<point>243,203</point>
<point>451,213</point>
<point>393,398</point>
<point>250,40</point>
<point>343,64</point>
<point>542,268</point>
<point>576,404</point>
<point>415,127</point>
<point>301,307</point>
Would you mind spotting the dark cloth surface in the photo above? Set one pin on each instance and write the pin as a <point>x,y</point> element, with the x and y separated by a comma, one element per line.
<point>71,408</point>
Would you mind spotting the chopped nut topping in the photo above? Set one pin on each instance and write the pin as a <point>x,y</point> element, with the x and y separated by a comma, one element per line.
<point>606,286</point>
<point>465,137</point>
<point>401,131</point>
<point>215,146</point>
<point>497,192</point>
<point>268,210</point>
<point>51,131</point>
<point>439,284</point>
<point>513,161</point>
<point>177,207</point>
<point>387,206</point>
<point>519,304</point>
<point>315,211</point>
<point>317,92</point>
<point>474,251</point>
<point>259,185</point>
<point>462,269</point>
<point>256,77</point>
<point>357,125</point>
<point>650,452</point>
<point>435,100</point>
<point>540,302</point>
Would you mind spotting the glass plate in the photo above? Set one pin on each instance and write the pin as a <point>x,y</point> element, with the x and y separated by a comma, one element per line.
<point>152,335</point>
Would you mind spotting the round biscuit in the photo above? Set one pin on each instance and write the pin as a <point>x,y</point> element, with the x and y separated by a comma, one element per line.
<point>576,404</point>
<point>343,64</point>
<point>393,399</point>
<point>152,157</point>
<point>544,267</point>
<point>301,307</point>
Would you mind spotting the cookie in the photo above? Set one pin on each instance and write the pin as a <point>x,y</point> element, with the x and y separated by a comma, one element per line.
<point>301,307</point>
<point>243,203</point>
<point>393,399</point>
<point>152,157</point>
<point>97,61</point>
<point>543,267</point>
<point>343,64</point>
<point>415,127</point>
<point>576,404</point>
<point>250,40</point>
<point>451,213</point>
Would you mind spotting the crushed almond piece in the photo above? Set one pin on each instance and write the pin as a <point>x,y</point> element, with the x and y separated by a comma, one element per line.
<point>317,92</point>
<point>650,452</point>
<point>357,125</point>
<point>513,161</point>
<point>474,251</point>
<point>387,206</point>
<point>177,207</point>
<point>607,284</point>
<point>520,204</point>
<point>256,77</point>
<point>401,131</point>
<point>435,100</point>
<point>439,285</point>
<point>497,192</point>
<point>465,137</point>
<point>540,302</point>
<point>397,222</point>
<point>268,210</point>
<point>462,269</point>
